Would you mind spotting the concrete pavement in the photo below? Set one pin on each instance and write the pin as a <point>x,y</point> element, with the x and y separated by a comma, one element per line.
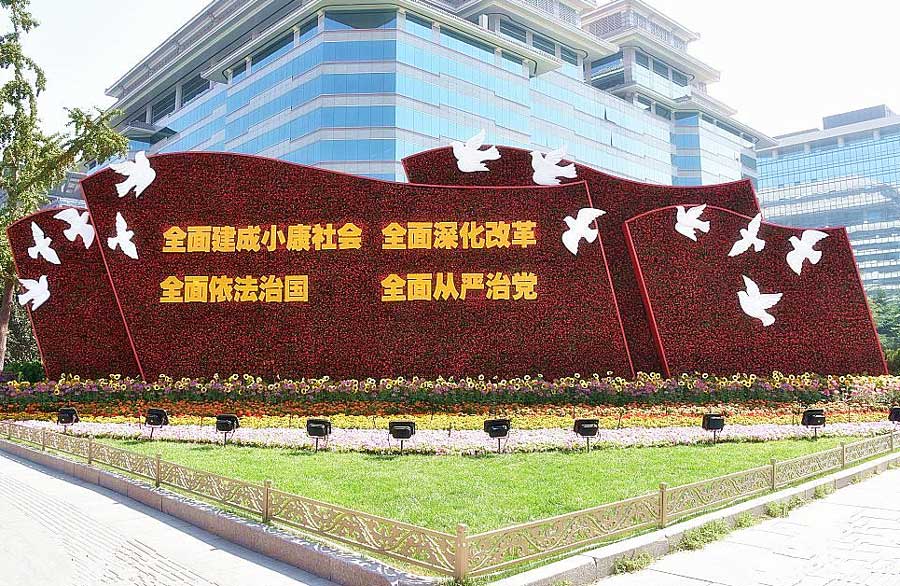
<point>57,530</point>
<point>850,538</point>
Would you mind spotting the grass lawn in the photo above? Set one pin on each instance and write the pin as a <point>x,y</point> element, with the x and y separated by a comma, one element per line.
<point>485,492</point>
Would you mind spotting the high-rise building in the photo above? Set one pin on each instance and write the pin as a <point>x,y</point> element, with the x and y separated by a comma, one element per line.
<point>356,89</point>
<point>846,174</point>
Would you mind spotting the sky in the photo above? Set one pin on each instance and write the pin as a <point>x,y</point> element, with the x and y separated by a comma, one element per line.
<point>785,63</point>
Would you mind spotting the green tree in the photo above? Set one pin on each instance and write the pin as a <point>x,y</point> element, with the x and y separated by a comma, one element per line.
<point>32,162</point>
<point>886,311</point>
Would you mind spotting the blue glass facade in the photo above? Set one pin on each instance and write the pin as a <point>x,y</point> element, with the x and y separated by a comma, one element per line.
<point>844,177</point>
<point>356,91</point>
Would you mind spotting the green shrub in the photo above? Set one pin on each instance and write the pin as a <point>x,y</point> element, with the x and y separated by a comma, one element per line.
<point>707,533</point>
<point>893,360</point>
<point>32,372</point>
<point>744,520</point>
<point>632,563</point>
<point>783,508</point>
<point>823,491</point>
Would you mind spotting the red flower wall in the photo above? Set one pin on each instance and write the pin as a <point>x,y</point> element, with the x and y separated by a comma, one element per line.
<point>345,329</point>
<point>79,329</point>
<point>822,322</point>
<point>620,198</point>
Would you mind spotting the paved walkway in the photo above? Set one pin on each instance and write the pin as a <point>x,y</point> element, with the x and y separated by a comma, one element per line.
<point>850,538</point>
<point>57,530</point>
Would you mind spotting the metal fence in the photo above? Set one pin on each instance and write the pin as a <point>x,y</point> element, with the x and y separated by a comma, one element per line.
<point>461,555</point>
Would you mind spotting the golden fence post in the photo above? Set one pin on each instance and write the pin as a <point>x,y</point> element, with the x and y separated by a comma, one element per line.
<point>43,440</point>
<point>158,474</point>
<point>663,505</point>
<point>773,462</point>
<point>843,455</point>
<point>90,455</point>
<point>461,563</point>
<point>267,501</point>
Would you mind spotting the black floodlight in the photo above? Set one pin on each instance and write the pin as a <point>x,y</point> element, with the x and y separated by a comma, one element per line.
<point>67,416</point>
<point>894,415</point>
<point>227,423</point>
<point>155,419</point>
<point>587,428</point>
<point>497,429</point>
<point>318,429</point>
<point>401,430</point>
<point>714,422</point>
<point>814,418</point>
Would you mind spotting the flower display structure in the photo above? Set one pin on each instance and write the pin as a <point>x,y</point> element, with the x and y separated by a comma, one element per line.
<point>620,198</point>
<point>822,320</point>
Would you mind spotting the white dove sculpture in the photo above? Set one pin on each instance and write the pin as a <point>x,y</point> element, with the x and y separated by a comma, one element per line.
<point>755,303</point>
<point>547,169</point>
<point>687,222</point>
<point>139,174</point>
<point>42,246</point>
<point>122,238</point>
<point>749,237</point>
<point>36,292</point>
<point>469,155</point>
<point>580,227</point>
<point>79,225</point>
<point>803,249</point>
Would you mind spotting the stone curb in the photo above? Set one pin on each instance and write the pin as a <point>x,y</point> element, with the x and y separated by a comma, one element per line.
<point>590,566</point>
<point>338,565</point>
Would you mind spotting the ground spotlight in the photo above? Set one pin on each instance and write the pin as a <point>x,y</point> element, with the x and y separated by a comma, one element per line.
<point>497,429</point>
<point>401,430</point>
<point>894,414</point>
<point>814,418</point>
<point>155,419</point>
<point>587,428</point>
<point>67,416</point>
<point>318,429</point>
<point>714,422</point>
<point>225,424</point>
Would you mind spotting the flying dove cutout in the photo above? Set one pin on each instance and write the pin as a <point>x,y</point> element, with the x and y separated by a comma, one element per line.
<point>749,237</point>
<point>803,249</point>
<point>755,304</point>
<point>547,169</point>
<point>139,174</point>
<point>122,239</point>
<point>79,225</point>
<point>687,222</point>
<point>580,228</point>
<point>36,292</point>
<point>469,155</point>
<point>42,246</point>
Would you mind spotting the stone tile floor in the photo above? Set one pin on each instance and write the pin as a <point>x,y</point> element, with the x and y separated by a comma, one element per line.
<point>57,530</point>
<point>850,538</point>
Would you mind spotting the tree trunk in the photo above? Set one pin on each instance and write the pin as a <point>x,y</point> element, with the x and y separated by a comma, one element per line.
<point>6,301</point>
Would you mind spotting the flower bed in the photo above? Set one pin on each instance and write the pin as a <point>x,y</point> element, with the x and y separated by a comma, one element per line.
<point>467,442</point>
<point>443,394</point>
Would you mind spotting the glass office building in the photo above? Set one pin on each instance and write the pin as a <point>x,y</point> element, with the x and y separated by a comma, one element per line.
<point>357,89</point>
<point>846,174</point>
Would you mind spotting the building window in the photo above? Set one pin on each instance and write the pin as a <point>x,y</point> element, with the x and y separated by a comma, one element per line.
<point>610,63</point>
<point>660,68</point>
<point>512,63</point>
<point>193,88</point>
<point>466,45</point>
<point>609,81</point>
<point>163,107</point>
<point>238,72</point>
<point>748,161</point>
<point>663,112</point>
<point>568,55</point>
<point>687,119</point>
<point>272,52</point>
<point>338,21</point>
<point>644,103</point>
<point>309,29</point>
<point>642,59</point>
<point>418,26</point>
<point>679,78</point>
<point>544,44</point>
<point>513,31</point>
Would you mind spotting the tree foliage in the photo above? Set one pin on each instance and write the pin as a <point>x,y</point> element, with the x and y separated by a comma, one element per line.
<point>32,161</point>
<point>886,311</point>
